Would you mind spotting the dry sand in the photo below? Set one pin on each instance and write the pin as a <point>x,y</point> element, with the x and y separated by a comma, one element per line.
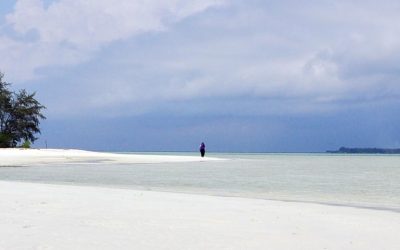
<point>44,216</point>
<point>31,157</point>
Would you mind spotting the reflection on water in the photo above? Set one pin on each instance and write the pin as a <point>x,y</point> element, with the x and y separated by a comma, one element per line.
<point>366,180</point>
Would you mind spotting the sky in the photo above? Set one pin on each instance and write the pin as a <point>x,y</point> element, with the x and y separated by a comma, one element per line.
<point>240,75</point>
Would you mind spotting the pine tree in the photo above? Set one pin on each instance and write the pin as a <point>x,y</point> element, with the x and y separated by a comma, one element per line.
<point>20,115</point>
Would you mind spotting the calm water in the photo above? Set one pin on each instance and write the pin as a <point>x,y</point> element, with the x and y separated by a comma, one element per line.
<point>354,180</point>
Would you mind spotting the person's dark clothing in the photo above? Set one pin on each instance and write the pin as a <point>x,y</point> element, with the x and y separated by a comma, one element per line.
<point>202,149</point>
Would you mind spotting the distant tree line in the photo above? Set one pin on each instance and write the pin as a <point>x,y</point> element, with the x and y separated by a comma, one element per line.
<point>20,115</point>
<point>344,150</point>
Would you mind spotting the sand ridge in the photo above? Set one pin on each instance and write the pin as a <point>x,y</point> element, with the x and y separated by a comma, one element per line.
<point>30,157</point>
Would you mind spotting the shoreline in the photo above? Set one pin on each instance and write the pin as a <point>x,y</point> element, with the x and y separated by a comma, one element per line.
<point>86,217</point>
<point>137,188</point>
<point>23,157</point>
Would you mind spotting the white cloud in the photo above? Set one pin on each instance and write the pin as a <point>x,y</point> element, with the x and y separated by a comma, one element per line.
<point>89,24</point>
<point>70,31</point>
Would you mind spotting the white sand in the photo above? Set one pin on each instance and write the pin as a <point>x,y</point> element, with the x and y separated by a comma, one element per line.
<point>30,157</point>
<point>43,216</point>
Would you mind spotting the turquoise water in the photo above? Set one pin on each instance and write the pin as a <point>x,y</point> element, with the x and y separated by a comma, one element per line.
<point>352,180</point>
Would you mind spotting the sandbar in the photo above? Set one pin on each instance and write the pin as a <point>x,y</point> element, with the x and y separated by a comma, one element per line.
<point>32,157</point>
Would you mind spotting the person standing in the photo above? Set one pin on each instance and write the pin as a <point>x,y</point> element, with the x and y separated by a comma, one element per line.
<point>202,149</point>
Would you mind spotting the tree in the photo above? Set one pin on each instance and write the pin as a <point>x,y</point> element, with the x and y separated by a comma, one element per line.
<point>5,113</point>
<point>20,115</point>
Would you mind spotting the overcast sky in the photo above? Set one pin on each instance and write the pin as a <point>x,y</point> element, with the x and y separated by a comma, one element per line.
<point>241,75</point>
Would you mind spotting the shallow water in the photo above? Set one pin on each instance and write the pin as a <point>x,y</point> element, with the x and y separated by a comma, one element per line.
<point>355,180</point>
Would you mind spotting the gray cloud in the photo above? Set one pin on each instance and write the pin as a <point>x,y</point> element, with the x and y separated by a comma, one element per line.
<point>267,56</point>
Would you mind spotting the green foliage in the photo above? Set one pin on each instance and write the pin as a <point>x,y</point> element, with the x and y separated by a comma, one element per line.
<point>20,115</point>
<point>5,140</point>
<point>26,144</point>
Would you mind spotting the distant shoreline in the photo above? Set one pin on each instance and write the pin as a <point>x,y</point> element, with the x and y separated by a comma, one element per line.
<point>345,150</point>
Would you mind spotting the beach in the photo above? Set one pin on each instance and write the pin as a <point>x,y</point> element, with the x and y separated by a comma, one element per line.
<point>42,216</point>
<point>72,216</point>
<point>218,125</point>
<point>32,157</point>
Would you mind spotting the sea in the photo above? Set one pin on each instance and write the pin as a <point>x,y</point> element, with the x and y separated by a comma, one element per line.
<point>365,181</point>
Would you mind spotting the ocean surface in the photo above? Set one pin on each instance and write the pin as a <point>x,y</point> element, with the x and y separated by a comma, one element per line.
<point>370,181</point>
